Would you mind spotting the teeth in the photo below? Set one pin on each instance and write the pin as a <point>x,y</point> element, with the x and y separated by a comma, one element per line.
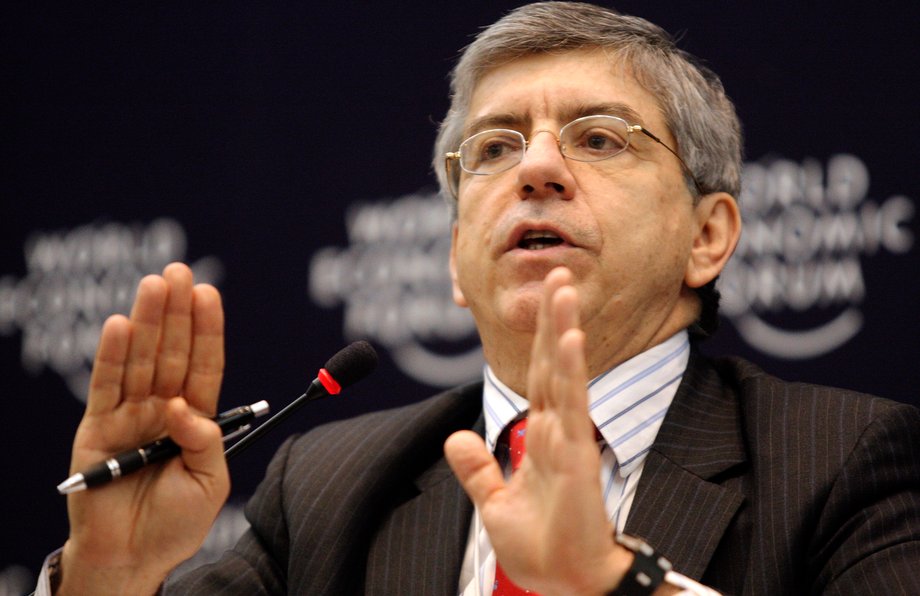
<point>539,239</point>
<point>532,234</point>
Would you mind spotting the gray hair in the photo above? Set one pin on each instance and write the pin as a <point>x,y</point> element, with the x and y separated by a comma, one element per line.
<point>691,97</point>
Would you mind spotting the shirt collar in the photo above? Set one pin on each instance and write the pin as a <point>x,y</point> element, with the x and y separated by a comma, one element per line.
<point>627,403</point>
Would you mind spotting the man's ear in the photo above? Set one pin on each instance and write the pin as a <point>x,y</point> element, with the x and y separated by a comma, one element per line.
<point>718,227</point>
<point>459,298</point>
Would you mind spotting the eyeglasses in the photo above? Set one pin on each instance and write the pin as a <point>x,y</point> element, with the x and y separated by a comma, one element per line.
<point>588,139</point>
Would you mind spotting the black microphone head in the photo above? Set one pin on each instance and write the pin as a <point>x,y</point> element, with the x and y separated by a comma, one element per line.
<point>352,363</point>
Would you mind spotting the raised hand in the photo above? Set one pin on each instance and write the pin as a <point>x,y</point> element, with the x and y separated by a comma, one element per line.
<point>156,373</point>
<point>548,524</point>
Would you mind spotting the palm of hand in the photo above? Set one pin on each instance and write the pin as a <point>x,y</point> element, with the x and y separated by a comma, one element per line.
<point>154,374</point>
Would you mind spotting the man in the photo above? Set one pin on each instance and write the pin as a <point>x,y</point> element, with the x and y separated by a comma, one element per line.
<point>593,168</point>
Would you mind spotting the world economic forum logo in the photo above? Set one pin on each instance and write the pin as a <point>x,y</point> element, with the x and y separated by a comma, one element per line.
<point>394,285</point>
<point>75,279</point>
<point>794,287</point>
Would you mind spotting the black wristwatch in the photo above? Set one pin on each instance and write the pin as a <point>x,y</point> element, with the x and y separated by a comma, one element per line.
<point>647,571</point>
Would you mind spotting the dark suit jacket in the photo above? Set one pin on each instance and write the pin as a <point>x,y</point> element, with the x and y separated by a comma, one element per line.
<point>753,486</point>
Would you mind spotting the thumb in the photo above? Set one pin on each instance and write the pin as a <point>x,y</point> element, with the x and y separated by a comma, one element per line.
<point>199,437</point>
<point>473,465</point>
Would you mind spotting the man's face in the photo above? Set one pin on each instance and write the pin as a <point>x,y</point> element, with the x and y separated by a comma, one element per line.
<point>624,226</point>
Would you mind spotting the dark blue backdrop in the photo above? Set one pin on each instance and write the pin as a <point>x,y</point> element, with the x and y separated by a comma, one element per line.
<point>248,139</point>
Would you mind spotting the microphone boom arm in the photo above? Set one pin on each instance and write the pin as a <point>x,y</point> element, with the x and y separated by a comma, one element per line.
<point>314,392</point>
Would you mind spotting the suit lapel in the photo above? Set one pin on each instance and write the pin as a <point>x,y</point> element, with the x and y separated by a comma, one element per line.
<point>426,533</point>
<point>432,529</point>
<point>686,498</point>
<point>688,493</point>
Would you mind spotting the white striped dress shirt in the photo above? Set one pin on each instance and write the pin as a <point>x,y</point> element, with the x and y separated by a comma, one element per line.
<point>627,404</point>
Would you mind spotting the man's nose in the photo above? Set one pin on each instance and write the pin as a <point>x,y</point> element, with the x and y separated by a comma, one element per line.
<point>544,171</point>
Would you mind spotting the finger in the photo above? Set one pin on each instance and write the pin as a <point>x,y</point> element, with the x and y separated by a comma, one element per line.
<point>564,311</point>
<point>570,370</point>
<point>109,366</point>
<point>473,465</point>
<point>202,447</point>
<point>176,335</point>
<point>146,318</point>
<point>543,352</point>
<point>206,364</point>
<point>570,385</point>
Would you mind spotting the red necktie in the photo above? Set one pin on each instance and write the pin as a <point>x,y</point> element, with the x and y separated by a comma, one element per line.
<point>504,586</point>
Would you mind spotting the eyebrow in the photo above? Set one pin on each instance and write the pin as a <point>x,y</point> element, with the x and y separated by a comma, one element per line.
<point>566,114</point>
<point>619,109</point>
<point>505,120</point>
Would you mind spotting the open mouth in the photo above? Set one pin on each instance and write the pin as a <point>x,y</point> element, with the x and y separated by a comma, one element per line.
<point>539,239</point>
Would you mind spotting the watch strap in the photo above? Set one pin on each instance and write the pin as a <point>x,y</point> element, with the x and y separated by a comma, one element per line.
<point>647,571</point>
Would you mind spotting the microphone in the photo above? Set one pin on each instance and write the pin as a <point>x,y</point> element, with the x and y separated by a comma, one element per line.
<point>349,365</point>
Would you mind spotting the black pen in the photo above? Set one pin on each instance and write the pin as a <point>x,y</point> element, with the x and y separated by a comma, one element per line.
<point>232,422</point>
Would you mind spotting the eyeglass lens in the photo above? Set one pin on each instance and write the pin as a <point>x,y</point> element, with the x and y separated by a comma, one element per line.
<point>593,138</point>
